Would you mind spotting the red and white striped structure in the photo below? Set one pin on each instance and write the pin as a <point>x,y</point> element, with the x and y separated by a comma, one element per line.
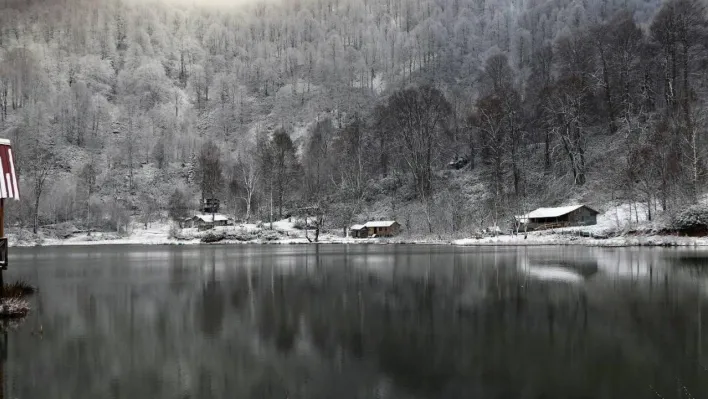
<point>8,178</point>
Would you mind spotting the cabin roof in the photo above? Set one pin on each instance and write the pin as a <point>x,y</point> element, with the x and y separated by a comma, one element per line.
<point>357,227</point>
<point>208,217</point>
<point>542,213</point>
<point>380,223</point>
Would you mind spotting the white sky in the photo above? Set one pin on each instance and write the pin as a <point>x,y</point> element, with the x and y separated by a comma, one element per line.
<point>220,3</point>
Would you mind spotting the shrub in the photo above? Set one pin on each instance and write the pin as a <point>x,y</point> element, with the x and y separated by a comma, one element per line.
<point>64,230</point>
<point>174,231</point>
<point>691,221</point>
<point>212,237</point>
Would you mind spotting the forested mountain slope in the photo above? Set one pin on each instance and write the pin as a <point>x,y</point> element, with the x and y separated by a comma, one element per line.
<point>121,108</point>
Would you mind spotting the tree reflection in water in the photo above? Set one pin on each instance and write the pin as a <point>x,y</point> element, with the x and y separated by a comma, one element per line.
<point>362,322</point>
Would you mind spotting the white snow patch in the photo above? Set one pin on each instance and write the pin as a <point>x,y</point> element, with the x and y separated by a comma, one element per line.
<point>379,84</point>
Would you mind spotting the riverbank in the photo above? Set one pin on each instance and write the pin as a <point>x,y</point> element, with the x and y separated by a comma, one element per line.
<point>536,239</point>
<point>285,232</point>
<point>281,232</point>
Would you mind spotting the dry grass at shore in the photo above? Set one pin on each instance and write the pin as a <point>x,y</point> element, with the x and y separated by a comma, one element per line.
<point>18,289</point>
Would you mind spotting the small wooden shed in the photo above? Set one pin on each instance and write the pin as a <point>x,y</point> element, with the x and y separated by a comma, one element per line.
<point>358,231</point>
<point>383,228</point>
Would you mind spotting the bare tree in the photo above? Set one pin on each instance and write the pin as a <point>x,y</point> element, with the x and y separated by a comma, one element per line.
<point>250,177</point>
<point>316,160</point>
<point>285,167</point>
<point>489,120</point>
<point>87,178</point>
<point>149,208</point>
<point>178,205</point>
<point>265,157</point>
<point>42,167</point>
<point>417,118</point>
<point>566,111</point>
<point>210,170</point>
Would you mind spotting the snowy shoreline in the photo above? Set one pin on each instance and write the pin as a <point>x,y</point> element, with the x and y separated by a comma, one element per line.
<point>610,231</point>
<point>281,237</point>
<point>648,241</point>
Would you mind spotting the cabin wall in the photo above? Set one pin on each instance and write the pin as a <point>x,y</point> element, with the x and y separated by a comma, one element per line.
<point>358,233</point>
<point>579,217</point>
<point>582,217</point>
<point>385,231</point>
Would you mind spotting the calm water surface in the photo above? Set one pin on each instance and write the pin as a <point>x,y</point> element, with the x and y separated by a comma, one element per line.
<point>360,322</point>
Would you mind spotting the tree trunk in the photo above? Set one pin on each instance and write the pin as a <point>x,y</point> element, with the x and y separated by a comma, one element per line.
<point>317,229</point>
<point>248,205</point>
<point>88,213</point>
<point>695,165</point>
<point>514,163</point>
<point>608,94</point>
<point>36,214</point>
<point>271,206</point>
<point>547,152</point>
<point>307,237</point>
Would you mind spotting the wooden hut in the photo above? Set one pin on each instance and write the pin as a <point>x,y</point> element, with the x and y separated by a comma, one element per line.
<point>564,216</point>
<point>358,231</point>
<point>205,222</point>
<point>383,228</point>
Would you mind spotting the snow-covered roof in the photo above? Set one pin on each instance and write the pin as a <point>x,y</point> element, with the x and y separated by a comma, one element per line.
<point>553,212</point>
<point>357,227</point>
<point>208,217</point>
<point>380,223</point>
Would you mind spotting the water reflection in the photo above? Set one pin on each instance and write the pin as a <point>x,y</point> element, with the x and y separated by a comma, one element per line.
<point>360,322</point>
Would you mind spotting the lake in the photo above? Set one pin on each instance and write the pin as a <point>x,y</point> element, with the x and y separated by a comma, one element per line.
<point>359,321</point>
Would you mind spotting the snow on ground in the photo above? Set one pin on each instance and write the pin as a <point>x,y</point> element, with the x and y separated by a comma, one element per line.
<point>155,234</point>
<point>615,220</point>
<point>163,233</point>
<point>565,239</point>
<point>611,230</point>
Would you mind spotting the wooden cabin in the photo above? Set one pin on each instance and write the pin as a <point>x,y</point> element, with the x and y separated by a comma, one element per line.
<point>564,216</point>
<point>358,231</point>
<point>206,222</point>
<point>383,228</point>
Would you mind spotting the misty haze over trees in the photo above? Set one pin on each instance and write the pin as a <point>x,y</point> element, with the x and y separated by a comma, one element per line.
<point>126,109</point>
